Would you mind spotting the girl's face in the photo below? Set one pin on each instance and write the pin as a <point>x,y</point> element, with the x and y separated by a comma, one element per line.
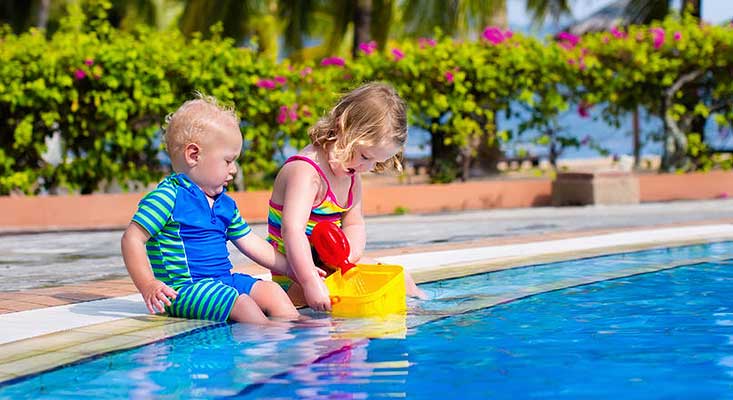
<point>365,158</point>
<point>216,163</point>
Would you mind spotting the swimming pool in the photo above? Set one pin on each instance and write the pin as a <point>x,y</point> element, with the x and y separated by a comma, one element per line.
<point>648,324</point>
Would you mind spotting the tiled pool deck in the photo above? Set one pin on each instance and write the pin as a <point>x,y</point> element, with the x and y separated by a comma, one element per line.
<point>46,327</point>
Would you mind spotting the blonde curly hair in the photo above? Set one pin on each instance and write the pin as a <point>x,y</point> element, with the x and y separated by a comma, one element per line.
<point>193,120</point>
<point>367,116</point>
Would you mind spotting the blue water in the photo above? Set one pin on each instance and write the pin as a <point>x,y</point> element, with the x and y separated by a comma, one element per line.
<point>665,334</point>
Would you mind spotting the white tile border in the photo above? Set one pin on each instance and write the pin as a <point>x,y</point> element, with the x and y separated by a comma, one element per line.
<point>429,260</point>
<point>27,324</point>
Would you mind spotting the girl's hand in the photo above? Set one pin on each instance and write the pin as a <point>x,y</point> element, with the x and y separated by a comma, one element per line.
<point>316,295</point>
<point>157,295</point>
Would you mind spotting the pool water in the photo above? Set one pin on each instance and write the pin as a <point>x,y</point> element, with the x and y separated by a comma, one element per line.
<point>650,324</point>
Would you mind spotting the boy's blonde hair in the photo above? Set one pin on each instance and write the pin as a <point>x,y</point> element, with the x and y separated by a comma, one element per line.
<point>369,115</point>
<point>193,120</point>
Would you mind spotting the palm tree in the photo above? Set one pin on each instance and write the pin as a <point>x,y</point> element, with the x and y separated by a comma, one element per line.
<point>455,18</point>
<point>23,14</point>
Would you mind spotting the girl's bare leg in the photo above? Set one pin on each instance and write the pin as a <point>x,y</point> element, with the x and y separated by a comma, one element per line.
<point>273,300</point>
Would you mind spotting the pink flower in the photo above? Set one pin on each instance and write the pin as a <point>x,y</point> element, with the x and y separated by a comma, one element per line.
<point>583,108</point>
<point>89,62</point>
<point>658,37</point>
<point>398,54</point>
<point>495,36</point>
<point>266,84</point>
<point>79,74</point>
<point>282,117</point>
<point>368,47</point>
<point>568,40</point>
<point>281,80</point>
<point>677,36</point>
<point>305,71</point>
<point>449,76</point>
<point>617,33</point>
<point>287,114</point>
<point>337,61</point>
<point>424,42</point>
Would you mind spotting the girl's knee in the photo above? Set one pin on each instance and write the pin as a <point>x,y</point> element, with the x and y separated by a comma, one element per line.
<point>273,300</point>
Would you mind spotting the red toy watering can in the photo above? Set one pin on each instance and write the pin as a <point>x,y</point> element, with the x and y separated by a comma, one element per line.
<point>332,246</point>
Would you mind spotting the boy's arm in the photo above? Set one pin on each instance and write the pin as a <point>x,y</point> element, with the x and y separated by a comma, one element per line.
<point>155,293</point>
<point>263,253</point>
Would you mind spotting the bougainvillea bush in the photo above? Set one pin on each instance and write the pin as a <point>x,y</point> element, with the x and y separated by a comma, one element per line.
<point>105,93</point>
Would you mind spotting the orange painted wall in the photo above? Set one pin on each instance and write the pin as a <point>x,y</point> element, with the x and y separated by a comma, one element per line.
<point>694,186</point>
<point>113,211</point>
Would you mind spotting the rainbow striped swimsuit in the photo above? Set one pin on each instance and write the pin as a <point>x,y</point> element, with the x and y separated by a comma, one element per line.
<point>327,210</point>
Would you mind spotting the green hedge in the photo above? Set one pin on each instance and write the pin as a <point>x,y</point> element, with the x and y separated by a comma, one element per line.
<point>106,92</point>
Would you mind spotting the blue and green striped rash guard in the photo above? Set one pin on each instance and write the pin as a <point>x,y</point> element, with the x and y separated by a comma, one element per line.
<point>187,237</point>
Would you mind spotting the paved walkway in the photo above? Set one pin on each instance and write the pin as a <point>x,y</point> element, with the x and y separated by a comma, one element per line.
<point>67,258</point>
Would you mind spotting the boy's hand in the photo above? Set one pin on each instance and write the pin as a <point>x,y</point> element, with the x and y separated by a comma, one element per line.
<point>157,295</point>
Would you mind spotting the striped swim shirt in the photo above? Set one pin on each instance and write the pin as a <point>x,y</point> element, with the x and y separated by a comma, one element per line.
<point>188,238</point>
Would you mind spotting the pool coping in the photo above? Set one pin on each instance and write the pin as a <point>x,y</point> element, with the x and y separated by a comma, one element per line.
<point>132,327</point>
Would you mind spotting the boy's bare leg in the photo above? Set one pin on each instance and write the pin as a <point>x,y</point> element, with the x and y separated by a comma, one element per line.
<point>246,310</point>
<point>273,300</point>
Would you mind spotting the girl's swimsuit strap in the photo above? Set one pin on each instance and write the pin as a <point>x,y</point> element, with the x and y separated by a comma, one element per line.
<point>329,192</point>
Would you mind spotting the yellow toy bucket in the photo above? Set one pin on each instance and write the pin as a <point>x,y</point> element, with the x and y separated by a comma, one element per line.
<point>367,290</point>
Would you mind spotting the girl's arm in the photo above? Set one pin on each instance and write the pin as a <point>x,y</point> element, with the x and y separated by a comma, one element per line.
<point>155,293</point>
<point>301,184</point>
<point>355,229</point>
<point>352,223</point>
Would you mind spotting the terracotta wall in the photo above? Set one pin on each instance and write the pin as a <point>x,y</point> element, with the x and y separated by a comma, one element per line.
<point>695,186</point>
<point>113,211</point>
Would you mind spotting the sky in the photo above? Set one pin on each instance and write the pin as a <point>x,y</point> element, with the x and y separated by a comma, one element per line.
<point>713,11</point>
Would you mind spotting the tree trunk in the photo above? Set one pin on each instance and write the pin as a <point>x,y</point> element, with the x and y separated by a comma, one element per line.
<point>499,19</point>
<point>362,24</point>
<point>693,6</point>
<point>44,7</point>
<point>443,159</point>
<point>637,137</point>
<point>675,143</point>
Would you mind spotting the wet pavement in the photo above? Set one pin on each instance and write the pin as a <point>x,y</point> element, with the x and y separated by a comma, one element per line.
<point>62,258</point>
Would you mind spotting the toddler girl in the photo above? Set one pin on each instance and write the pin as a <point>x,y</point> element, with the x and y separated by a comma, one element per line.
<point>365,131</point>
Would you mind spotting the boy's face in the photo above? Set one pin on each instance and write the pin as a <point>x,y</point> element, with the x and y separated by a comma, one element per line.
<point>215,165</point>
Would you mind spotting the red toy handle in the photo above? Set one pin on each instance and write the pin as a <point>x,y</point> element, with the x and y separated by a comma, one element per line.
<point>332,246</point>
